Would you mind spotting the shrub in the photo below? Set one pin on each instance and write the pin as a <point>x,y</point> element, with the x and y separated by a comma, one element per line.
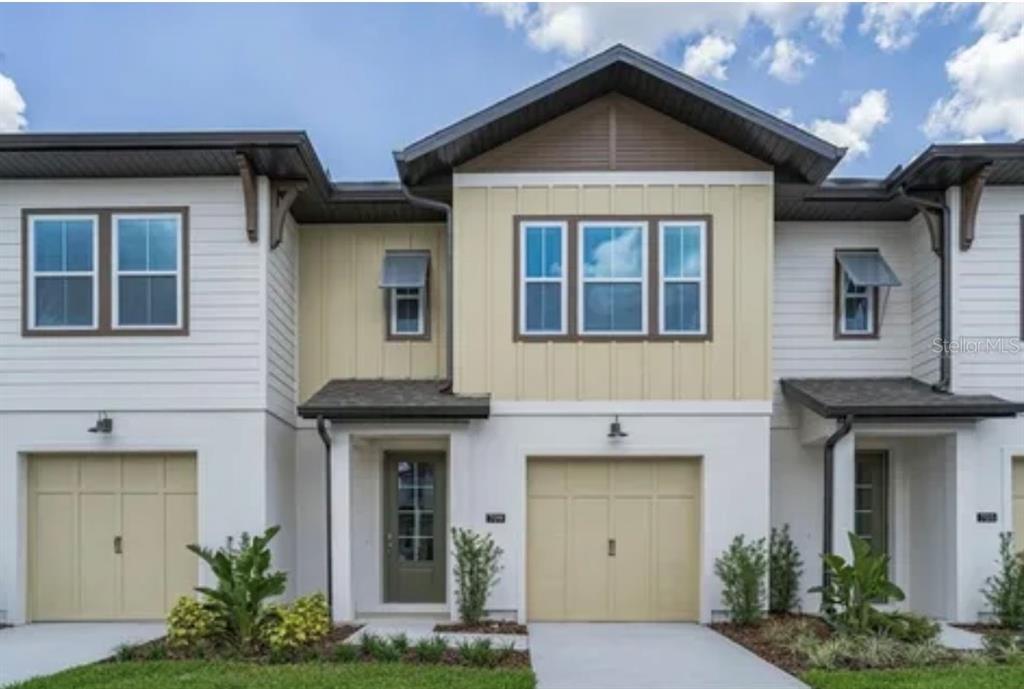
<point>1004,590</point>
<point>301,624</point>
<point>379,649</point>
<point>430,650</point>
<point>862,652</point>
<point>477,564</point>
<point>244,583</point>
<point>345,653</point>
<point>784,569</point>
<point>1003,647</point>
<point>903,626</point>
<point>399,642</point>
<point>190,625</point>
<point>741,569</point>
<point>847,599</point>
<point>478,653</point>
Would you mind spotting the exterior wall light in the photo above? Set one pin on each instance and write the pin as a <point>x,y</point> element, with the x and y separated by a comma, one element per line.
<point>104,424</point>
<point>615,429</point>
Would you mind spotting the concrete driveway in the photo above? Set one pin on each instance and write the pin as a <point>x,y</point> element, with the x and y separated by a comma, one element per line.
<point>42,649</point>
<point>646,656</point>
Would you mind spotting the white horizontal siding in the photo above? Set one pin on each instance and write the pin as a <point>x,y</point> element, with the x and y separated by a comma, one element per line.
<point>926,300</point>
<point>282,324</point>
<point>987,308</point>
<point>219,365</point>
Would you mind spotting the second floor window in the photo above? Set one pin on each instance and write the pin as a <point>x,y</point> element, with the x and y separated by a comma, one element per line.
<point>683,279</point>
<point>543,282</point>
<point>613,279</point>
<point>147,265</point>
<point>857,307</point>
<point>405,276</point>
<point>863,280</point>
<point>407,311</point>
<point>62,282</point>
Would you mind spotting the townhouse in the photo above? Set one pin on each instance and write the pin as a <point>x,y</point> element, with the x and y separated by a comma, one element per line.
<point>614,320</point>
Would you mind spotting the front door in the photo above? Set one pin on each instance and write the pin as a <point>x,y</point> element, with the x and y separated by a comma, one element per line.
<point>414,527</point>
<point>871,510</point>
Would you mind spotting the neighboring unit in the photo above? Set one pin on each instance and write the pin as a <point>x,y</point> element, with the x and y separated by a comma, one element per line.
<point>615,321</point>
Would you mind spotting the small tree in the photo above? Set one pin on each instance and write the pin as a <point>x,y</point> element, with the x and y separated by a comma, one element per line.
<point>244,584</point>
<point>742,570</point>
<point>1004,590</point>
<point>853,587</point>
<point>784,569</point>
<point>476,572</point>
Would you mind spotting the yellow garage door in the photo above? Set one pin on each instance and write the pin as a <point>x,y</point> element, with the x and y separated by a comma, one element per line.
<point>613,539</point>
<point>107,535</point>
<point>1018,501</point>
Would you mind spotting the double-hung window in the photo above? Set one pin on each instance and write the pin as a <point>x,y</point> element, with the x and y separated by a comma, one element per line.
<point>147,284</point>
<point>407,311</point>
<point>404,275</point>
<point>63,289</point>
<point>543,277</point>
<point>857,308</point>
<point>683,278</point>
<point>613,277</point>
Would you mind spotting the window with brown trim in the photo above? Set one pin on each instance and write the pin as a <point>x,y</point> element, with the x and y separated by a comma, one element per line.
<point>856,308</point>
<point>405,279</point>
<point>606,277</point>
<point>104,272</point>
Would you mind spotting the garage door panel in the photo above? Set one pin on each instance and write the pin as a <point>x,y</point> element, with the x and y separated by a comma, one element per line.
<point>180,474</point>
<point>143,556</point>
<point>181,531</point>
<point>677,558</point>
<point>56,586</point>
<point>587,478</point>
<point>99,475</point>
<point>678,478</point>
<point>143,474</point>
<point>546,557</point>
<point>55,473</point>
<point>1018,502</point>
<point>98,568</point>
<point>588,556</point>
<point>632,564</point>
<point>633,477</point>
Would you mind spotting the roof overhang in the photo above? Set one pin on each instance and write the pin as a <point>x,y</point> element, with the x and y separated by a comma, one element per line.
<point>891,398</point>
<point>796,154</point>
<point>391,400</point>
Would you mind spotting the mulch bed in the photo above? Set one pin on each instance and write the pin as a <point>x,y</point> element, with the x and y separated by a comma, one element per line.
<point>750,637</point>
<point>482,627</point>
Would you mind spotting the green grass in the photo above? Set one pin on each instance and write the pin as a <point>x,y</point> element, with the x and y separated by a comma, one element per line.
<point>224,675</point>
<point>949,677</point>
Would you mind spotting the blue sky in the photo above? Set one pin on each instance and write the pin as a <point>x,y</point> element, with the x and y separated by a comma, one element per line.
<point>364,80</point>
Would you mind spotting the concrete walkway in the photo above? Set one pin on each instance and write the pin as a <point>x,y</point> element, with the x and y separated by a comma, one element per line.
<point>418,628</point>
<point>960,639</point>
<point>647,656</point>
<point>43,649</point>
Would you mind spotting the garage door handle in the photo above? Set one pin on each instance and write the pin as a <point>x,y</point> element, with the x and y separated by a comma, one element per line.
<point>117,545</point>
<point>611,547</point>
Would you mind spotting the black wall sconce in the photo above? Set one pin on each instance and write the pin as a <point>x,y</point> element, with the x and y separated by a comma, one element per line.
<point>104,424</point>
<point>615,429</point>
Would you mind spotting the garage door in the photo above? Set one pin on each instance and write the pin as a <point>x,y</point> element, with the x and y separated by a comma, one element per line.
<point>613,539</point>
<point>107,535</point>
<point>1018,501</point>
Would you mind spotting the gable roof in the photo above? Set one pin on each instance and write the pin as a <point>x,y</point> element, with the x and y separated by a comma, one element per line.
<point>797,155</point>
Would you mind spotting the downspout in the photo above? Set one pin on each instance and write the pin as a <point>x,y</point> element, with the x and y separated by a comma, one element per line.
<point>321,429</point>
<point>449,275</point>
<point>845,426</point>
<point>945,283</point>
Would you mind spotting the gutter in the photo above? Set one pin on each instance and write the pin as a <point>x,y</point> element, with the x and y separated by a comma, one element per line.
<point>845,426</point>
<point>945,281</point>
<point>449,297</point>
<point>321,429</point>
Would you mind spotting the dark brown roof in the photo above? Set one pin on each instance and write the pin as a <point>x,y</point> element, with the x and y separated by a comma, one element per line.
<point>350,399</point>
<point>890,398</point>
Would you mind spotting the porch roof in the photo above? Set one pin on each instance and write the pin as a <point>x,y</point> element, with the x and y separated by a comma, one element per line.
<point>361,399</point>
<point>891,398</point>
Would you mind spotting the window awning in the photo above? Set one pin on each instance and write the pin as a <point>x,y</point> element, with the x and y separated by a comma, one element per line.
<point>404,269</point>
<point>867,268</point>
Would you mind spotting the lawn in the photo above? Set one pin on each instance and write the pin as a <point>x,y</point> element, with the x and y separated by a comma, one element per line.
<point>950,677</point>
<point>227,675</point>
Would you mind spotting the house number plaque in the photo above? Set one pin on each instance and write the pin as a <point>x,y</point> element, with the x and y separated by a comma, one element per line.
<point>495,517</point>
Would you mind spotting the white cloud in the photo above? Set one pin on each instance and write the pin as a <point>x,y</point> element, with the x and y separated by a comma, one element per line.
<point>708,58</point>
<point>894,24</point>
<point>988,94</point>
<point>787,60</point>
<point>512,13</point>
<point>830,19</point>
<point>785,114</point>
<point>12,106</point>
<point>862,120</point>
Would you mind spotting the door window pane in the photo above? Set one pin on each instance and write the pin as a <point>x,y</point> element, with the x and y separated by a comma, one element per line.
<point>415,511</point>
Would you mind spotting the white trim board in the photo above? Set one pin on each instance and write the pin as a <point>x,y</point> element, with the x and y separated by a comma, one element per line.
<point>634,408</point>
<point>523,179</point>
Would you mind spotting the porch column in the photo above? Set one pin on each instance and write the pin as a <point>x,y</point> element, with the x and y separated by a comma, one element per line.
<point>460,509</point>
<point>843,495</point>
<point>341,533</point>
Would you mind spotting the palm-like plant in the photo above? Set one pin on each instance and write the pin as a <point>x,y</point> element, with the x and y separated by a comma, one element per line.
<point>853,587</point>
<point>245,582</point>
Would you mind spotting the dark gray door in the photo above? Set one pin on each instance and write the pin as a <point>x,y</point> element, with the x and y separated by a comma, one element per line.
<point>415,535</point>
<point>871,509</point>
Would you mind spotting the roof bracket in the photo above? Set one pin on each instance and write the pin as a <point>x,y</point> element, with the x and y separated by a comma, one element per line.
<point>972,189</point>
<point>282,196</point>
<point>934,222</point>
<point>248,175</point>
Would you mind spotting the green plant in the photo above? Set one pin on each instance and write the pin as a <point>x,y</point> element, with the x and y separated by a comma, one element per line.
<point>400,642</point>
<point>478,653</point>
<point>245,582</point>
<point>784,569</point>
<point>301,624</point>
<point>852,587</point>
<point>864,651</point>
<point>190,624</point>
<point>477,564</point>
<point>378,648</point>
<point>1005,647</point>
<point>742,569</point>
<point>345,653</point>
<point>430,650</point>
<point>1004,590</point>
<point>903,626</point>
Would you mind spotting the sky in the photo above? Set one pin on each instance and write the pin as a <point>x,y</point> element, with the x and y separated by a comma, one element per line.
<point>883,80</point>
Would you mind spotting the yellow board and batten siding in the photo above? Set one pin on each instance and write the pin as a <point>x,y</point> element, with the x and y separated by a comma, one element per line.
<point>734,365</point>
<point>342,314</point>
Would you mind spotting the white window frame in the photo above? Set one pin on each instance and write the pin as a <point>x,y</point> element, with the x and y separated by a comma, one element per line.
<point>33,273</point>
<point>582,280</point>
<point>702,280</point>
<point>868,294</point>
<point>421,323</point>
<point>563,229</point>
<point>117,273</point>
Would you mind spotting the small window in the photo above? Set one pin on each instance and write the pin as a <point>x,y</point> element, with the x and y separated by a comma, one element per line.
<point>613,278</point>
<point>404,274</point>
<point>407,311</point>
<point>683,273</point>
<point>147,289</point>
<point>63,285</point>
<point>543,279</point>
<point>857,308</point>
